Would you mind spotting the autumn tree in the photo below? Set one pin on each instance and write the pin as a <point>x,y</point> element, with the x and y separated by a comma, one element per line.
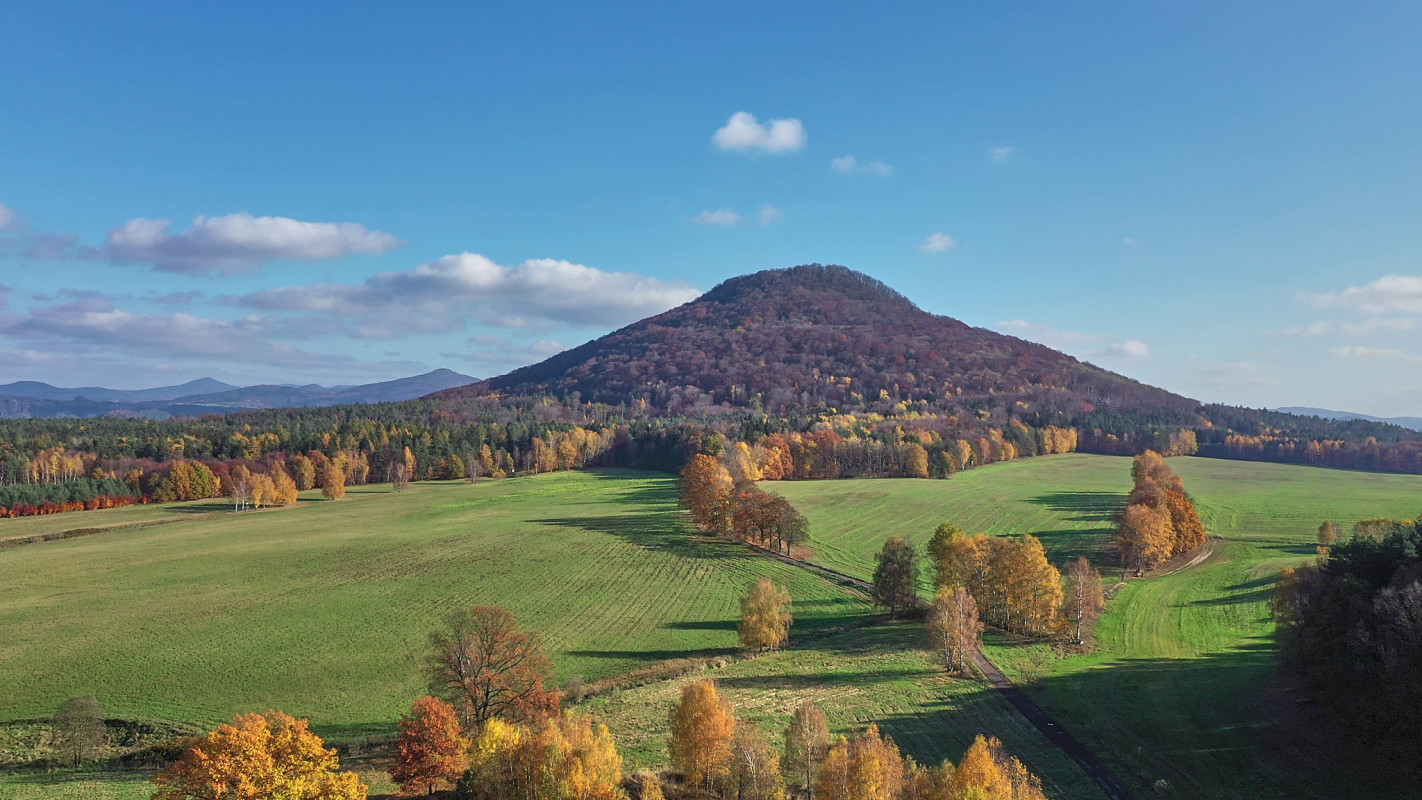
<point>1189,531</point>
<point>765,616</point>
<point>430,750</point>
<point>755,766</point>
<point>1144,537</point>
<point>484,666</point>
<point>284,489</point>
<point>241,487</point>
<point>79,729</point>
<point>563,757</point>
<point>303,472</point>
<point>259,757</point>
<point>806,742</point>
<point>953,628</point>
<point>988,772</point>
<point>333,482</point>
<point>702,726</point>
<point>896,575</point>
<point>706,488</point>
<point>864,767</point>
<point>1084,600</point>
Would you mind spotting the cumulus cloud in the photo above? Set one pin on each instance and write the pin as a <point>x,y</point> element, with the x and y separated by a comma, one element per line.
<point>1001,153</point>
<point>1375,352</point>
<point>238,243</point>
<point>449,292</point>
<point>850,164</point>
<point>743,133</point>
<point>937,243</point>
<point>721,216</point>
<point>770,214</point>
<point>19,239</point>
<point>94,325</point>
<point>1391,294</point>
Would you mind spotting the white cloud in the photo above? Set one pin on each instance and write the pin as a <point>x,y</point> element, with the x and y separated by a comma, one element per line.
<point>721,216</point>
<point>850,164</point>
<point>1374,352</point>
<point>1367,327</point>
<point>1134,349</point>
<point>743,133</point>
<point>770,214</point>
<point>1049,336</point>
<point>94,325</point>
<point>448,293</point>
<point>1392,294</point>
<point>10,222</point>
<point>238,243</point>
<point>1001,153</point>
<point>937,243</point>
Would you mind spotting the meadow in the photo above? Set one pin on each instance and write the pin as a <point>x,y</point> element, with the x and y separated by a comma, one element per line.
<point>1179,696</point>
<point>880,674</point>
<point>323,609</point>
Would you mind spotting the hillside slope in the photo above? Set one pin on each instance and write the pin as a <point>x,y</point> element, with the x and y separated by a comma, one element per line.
<point>821,335</point>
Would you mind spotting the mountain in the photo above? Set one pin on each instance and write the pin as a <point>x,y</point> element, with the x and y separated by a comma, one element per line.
<point>1415,423</point>
<point>823,335</point>
<point>44,391</point>
<point>207,396</point>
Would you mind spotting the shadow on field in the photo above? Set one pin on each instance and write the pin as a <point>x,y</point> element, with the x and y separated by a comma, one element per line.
<point>1205,726</point>
<point>1086,506</point>
<point>650,531</point>
<point>654,655</point>
<point>703,625</point>
<point>1255,591</point>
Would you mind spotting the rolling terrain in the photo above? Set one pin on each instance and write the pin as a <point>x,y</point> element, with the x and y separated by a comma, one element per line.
<point>323,609</point>
<point>1179,688</point>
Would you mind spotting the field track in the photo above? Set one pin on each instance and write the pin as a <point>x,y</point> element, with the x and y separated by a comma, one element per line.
<point>1094,769</point>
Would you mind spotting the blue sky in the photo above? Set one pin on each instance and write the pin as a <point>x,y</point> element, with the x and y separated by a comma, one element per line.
<point>1218,198</point>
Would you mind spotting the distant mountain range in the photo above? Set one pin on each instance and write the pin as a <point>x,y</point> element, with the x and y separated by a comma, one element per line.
<point>207,396</point>
<point>1415,423</point>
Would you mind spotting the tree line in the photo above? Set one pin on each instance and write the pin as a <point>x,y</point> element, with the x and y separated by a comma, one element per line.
<point>1350,629</point>
<point>1160,521</point>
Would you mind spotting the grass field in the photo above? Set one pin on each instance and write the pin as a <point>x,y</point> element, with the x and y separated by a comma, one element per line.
<point>323,610</point>
<point>1179,688</point>
<point>880,674</point>
<point>1066,501</point>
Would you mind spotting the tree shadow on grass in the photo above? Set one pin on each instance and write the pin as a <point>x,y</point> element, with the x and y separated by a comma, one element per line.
<point>1203,725</point>
<point>653,655</point>
<point>650,531</point>
<point>1085,506</point>
<point>703,625</point>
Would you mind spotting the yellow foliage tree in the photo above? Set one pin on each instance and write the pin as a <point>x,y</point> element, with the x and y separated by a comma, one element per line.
<point>765,616</point>
<point>257,757</point>
<point>702,725</point>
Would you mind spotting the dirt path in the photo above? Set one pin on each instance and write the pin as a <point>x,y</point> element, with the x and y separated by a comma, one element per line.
<point>1073,749</point>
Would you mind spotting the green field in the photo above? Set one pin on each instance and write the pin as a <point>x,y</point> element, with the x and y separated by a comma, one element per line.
<point>1066,501</point>
<point>1179,689</point>
<point>323,609</point>
<point>875,675</point>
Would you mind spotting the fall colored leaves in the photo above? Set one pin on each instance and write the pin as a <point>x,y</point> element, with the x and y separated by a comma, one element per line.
<point>1160,521</point>
<point>715,752</point>
<point>724,500</point>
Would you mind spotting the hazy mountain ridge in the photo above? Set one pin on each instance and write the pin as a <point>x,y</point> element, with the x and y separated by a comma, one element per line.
<point>208,396</point>
<point>1413,423</point>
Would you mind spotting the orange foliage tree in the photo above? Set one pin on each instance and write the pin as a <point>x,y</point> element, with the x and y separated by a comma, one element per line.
<point>706,489</point>
<point>486,667</point>
<point>864,767</point>
<point>257,757</point>
<point>953,628</point>
<point>430,750</point>
<point>1084,599</point>
<point>702,725</point>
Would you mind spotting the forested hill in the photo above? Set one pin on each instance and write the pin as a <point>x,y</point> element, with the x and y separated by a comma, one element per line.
<point>827,336</point>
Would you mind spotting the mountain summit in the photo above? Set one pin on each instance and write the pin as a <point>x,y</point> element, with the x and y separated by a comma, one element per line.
<point>821,335</point>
